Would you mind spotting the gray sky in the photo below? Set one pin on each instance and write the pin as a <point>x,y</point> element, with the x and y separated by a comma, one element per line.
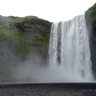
<point>52,10</point>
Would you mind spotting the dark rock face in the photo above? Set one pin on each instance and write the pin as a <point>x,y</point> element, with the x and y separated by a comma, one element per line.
<point>93,48</point>
<point>91,25</point>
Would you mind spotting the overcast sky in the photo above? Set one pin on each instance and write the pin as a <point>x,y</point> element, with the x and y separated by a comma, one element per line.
<point>52,10</point>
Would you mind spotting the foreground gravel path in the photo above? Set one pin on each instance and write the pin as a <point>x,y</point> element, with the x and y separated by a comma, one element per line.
<point>48,90</point>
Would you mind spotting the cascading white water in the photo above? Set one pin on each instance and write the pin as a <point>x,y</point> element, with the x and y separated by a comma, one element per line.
<point>69,50</point>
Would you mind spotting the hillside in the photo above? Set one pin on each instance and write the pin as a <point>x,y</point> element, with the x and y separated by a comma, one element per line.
<point>25,34</point>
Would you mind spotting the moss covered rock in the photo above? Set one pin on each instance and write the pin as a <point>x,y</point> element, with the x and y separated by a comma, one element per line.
<point>26,34</point>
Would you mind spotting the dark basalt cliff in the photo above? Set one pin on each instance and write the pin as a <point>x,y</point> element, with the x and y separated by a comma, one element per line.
<point>91,25</point>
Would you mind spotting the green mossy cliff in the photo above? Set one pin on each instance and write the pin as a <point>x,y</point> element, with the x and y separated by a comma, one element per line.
<point>25,34</point>
<point>22,38</point>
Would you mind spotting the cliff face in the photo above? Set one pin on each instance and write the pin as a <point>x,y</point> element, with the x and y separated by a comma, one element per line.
<point>22,38</point>
<point>91,25</point>
<point>25,34</point>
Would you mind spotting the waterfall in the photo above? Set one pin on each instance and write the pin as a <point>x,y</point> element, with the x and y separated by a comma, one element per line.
<point>69,50</point>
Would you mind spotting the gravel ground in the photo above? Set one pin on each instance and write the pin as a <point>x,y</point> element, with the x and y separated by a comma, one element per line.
<point>47,90</point>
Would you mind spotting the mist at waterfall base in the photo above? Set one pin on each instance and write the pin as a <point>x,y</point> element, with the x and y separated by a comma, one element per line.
<point>69,57</point>
<point>31,71</point>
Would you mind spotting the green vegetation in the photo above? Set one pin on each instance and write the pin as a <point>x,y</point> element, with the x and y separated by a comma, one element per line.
<point>25,34</point>
<point>21,19</point>
<point>92,13</point>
